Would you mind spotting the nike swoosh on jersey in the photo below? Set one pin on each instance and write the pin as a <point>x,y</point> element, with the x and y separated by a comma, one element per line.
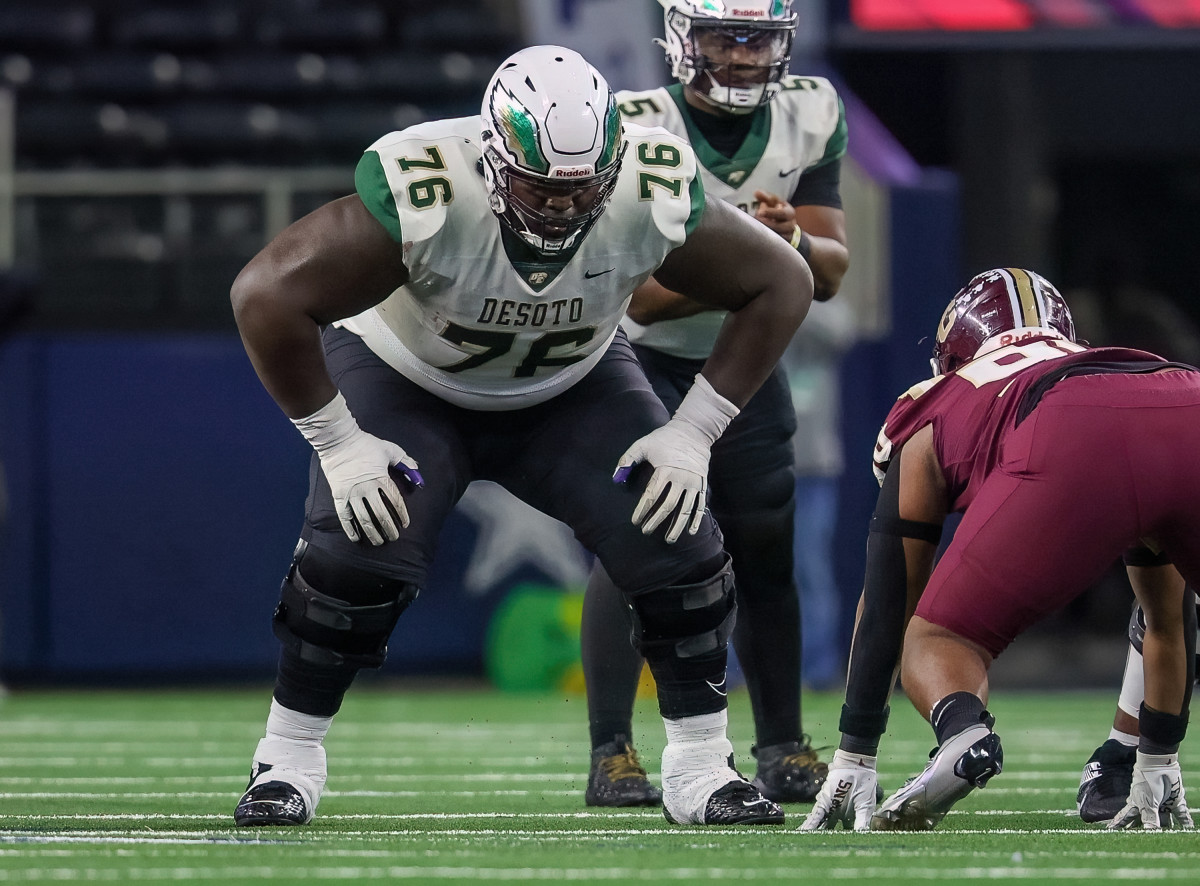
<point>588,275</point>
<point>786,173</point>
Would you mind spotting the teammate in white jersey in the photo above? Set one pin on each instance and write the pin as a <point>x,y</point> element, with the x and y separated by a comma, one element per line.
<point>458,319</point>
<point>758,133</point>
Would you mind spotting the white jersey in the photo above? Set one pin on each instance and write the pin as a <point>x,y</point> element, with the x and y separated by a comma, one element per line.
<point>802,128</point>
<point>484,330</point>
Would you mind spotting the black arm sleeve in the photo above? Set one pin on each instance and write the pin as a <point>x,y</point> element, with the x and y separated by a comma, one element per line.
<point>880,633</point>
<point>1142,555</point>
<point>820,186</point>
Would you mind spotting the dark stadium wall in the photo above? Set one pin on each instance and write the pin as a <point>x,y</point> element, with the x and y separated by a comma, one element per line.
<point>156,492</point>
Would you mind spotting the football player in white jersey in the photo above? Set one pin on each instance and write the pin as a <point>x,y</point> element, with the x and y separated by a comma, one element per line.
<point>770,144</point>
<point>458,319</point>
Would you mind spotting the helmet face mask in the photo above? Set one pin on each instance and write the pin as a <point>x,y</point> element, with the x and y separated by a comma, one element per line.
<point>730,56</point>
<point>552,146</point>
<point>995,309</point>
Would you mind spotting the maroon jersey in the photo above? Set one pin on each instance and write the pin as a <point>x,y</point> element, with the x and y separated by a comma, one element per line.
<point>973,409</point>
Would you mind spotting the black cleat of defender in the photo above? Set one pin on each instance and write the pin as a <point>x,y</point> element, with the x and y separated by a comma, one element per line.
<point>1106,780</point>
<point>616,778</point>
<point>789,772</point>
<point>270,803</point>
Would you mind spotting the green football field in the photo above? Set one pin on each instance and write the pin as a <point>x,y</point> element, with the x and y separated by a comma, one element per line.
<point>468,785</point>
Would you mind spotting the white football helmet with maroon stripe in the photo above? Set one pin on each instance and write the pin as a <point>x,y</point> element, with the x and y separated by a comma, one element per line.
<point>997,308</point>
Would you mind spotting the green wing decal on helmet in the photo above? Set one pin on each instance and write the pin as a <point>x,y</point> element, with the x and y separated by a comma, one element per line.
<point>612,137</point>
<point>519,131</point>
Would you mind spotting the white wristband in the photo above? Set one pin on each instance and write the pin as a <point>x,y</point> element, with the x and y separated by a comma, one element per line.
<point>328,426</point>
<point>845,759</point>
<point>706,410</point>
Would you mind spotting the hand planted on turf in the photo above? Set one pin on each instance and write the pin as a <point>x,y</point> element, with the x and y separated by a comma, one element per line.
<point>1157,786</point>
<point>848,795</point>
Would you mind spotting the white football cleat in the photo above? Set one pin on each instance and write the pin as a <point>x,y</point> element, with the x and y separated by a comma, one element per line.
<point>966,761</point>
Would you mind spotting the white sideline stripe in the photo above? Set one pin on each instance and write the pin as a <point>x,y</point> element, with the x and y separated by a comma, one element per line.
<point>545,816</point>
<point>499,792</point>
<point>299,845</point>
<point>559,875</point>
<point>312,839</point>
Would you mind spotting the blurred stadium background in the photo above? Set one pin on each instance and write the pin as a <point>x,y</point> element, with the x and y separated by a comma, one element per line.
<point>148,148</point>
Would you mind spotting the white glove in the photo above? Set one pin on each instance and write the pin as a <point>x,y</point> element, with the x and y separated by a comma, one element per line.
<point>356,465</point>
<point>679,452</point>
<point>1157,786</point>
<point>848,795</point>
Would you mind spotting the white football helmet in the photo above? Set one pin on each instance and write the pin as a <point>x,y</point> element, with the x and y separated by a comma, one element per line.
<point>731,54</point>
<point>551,131</point>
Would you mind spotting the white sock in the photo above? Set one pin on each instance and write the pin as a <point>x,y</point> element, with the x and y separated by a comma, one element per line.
<point>1133,685</point>
<point>293,726</point>
<point>701,728</point>
<point>1130,741</point>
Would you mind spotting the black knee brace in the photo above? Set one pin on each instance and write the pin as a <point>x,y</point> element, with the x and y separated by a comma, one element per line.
<point>1137,628</point>
<point>689,620</point>
<point>324,630</point>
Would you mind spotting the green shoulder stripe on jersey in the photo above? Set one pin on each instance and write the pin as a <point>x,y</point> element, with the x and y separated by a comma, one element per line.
<point>696,195</point>
<point>731,170</point>
<point>376,194</point>
<point>835,148</point>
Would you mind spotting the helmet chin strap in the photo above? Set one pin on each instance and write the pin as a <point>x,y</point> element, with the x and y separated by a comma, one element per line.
<point>718,96</point>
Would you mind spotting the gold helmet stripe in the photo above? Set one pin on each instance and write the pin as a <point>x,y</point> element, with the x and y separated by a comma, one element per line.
<point>1025,296</point>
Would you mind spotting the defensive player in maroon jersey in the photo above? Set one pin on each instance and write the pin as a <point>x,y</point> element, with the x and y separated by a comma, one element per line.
<point>1062,458</point>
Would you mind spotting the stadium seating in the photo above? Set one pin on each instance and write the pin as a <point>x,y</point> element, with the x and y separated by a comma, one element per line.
<point>162,60</point>
<point>210,85</point>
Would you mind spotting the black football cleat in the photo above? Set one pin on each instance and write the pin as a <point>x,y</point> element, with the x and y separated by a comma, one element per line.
<point>737,802</point>
<point>1104,785</point>
<point>789,772</point>
<point>271,803</point>
<point>617,778</point>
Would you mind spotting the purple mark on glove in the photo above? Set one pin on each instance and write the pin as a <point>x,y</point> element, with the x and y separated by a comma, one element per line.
<point>622,474</point>
<point>412,475</point>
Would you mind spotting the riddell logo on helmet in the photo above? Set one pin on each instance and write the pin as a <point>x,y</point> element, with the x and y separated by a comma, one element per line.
<point>747,13</point>
<point>1011,338</point>
<point>572,172</point>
